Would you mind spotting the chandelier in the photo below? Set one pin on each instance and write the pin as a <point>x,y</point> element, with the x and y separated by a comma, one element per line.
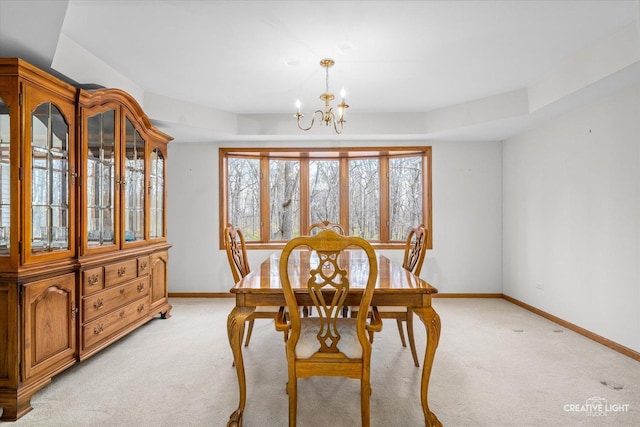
<point>328,116</point>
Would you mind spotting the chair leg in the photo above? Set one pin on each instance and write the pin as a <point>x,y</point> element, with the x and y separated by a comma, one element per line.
<point>246,341</point>
<point>365,396</point>
<point>401,332</point>
<point>412,342</point>
<point>292,386</point>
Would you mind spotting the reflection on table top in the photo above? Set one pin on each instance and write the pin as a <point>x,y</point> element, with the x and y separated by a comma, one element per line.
<point>391,276</point>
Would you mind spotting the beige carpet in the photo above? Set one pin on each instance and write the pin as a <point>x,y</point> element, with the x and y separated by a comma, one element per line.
<point>497,365</point>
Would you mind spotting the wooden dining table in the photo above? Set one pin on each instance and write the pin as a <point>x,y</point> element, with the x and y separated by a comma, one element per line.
<point>395,286</point>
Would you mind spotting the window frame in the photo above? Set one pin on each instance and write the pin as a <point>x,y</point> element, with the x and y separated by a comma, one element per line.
<point>343,155</point>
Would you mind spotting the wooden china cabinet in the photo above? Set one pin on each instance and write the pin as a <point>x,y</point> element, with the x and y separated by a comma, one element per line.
<point>83,250</point>
<point>123,251</point>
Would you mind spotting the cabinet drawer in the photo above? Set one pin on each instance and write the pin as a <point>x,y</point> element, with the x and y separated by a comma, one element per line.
<point>120,272</point>
<point>143,266</point>
<point>92,280</point>
<point>112,298</point>
<point>103,327</point>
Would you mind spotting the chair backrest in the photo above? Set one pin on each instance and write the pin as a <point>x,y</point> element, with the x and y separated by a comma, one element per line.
<point>328,283</point>
<point>415,249</point>
<point>326,225</point>
<point>236,252</point>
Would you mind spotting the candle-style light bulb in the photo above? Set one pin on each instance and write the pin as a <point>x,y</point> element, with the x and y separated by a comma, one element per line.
<point>298,105</point>
<point>343,94</point>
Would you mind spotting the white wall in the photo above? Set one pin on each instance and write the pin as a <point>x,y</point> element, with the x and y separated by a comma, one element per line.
<point>467,218</point>
<point>466,224</point>
<point>572,218</point>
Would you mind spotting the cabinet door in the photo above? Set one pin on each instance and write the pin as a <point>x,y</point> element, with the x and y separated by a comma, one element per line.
<point>49,177</point>
<point>99,202</point>
<point>159,264</point>
<point>49,314</point>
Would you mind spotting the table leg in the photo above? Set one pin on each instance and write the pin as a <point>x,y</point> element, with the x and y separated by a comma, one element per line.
<point>235,330</point>
<point>431,321</point>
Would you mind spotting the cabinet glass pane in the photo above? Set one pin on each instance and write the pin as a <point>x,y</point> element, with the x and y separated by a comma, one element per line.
<point>5,176</point>
<point>49,180</point>
<point>100,179</point>
<point>156,183</point>
<point>134,185</point>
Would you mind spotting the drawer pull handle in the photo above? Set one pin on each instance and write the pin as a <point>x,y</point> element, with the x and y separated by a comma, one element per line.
<point>143,265</point>
<point>122,314</point>
<point>140,308</point>
<point>98,304</point>
<point>98,329</point>
<point>122,291</point>
<point>122,271</point>
<point>140,287</point>
<point>93,280</point>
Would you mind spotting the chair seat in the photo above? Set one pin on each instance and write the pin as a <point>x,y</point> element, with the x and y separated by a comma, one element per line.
<point>308,343</point>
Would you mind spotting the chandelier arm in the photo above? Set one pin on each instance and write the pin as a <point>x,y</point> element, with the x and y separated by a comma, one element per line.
<point>313,119</point>
<point>335,125</point>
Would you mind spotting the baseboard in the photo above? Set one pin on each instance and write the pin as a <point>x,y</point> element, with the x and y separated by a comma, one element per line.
<point>575,328</point>
<point>439,295</point>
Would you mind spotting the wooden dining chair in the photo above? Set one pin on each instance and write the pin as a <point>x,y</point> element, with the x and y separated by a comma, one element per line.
<point>239,263</point>
<point>328,345</point>
<point>414,252</point>
<point>326,225</point>
<point>313,230</point>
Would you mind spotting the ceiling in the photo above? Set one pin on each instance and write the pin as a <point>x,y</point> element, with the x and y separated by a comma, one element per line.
<point>226,65</point>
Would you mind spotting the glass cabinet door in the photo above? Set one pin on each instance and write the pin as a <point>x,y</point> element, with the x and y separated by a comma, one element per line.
<point>156,194</point>
<point>133,184</point>
<point>49,180</point>
<point>5,175</point>
<point>100,179</point>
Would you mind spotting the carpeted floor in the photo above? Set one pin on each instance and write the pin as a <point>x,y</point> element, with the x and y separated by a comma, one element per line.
<point>497,365</point>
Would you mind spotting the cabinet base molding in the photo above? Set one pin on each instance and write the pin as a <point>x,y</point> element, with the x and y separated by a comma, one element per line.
<point>17,402</point>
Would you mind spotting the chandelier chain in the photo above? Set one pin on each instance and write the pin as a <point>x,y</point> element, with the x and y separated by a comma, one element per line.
<point>326,79</point>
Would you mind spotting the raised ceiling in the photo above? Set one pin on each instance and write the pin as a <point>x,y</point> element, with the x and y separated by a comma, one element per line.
<point>210,70</point>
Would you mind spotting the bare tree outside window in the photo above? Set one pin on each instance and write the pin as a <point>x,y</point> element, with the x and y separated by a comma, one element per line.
<point>284,196</point>
<point>364,198</point>
<point>274,194</point>
<point>244,196</point>
<point>324,191</point>
<point>405,196</point>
